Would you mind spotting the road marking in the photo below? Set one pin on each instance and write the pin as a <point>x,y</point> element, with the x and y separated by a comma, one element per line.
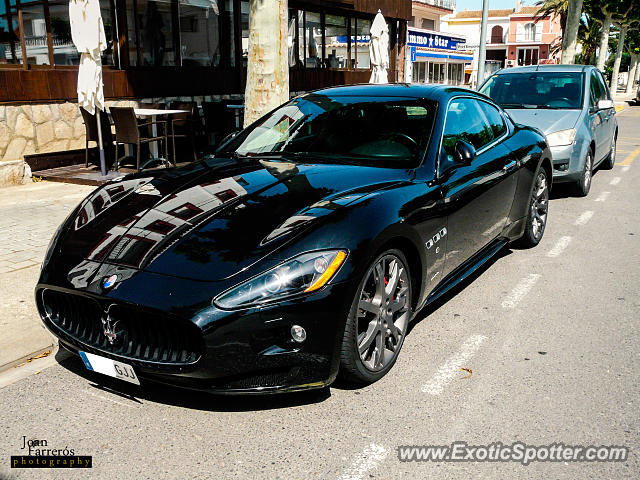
<point>602,197</point>
<point>626,169</point>
<point>451,368</point>
<point>369,459</point>
<point>615,181</point>
<point>520,290</point>
<point>630,158</point>
<point>584,218</point>
<point>559,247</point>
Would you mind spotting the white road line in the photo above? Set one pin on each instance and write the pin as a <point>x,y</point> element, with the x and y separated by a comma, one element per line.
<point>584,218</point>
<point>369,459</point>
<point>602,197</point>
<point>626,168</point>
<point>451,368</point>
<point>559,247</point>
<point>615,181</point>
<point>520,290</point>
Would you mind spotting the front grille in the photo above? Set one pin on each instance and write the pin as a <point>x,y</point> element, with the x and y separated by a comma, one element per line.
<point>140,335</point>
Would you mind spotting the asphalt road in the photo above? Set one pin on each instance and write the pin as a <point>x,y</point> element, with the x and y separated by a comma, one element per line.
<point>551,336</point>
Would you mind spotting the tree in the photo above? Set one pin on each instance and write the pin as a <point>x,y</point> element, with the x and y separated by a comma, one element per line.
<point>633,47</point>
<point>606,12</point>
<point>589,36</point>
<point>553,8</point>
<point>267,63</point>
<point>570,34</point>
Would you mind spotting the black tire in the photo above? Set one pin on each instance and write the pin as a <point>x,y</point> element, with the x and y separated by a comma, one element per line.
<point>610,161</point>
<point>583,185</point>
<point>538,211</point>
<point>352,366</point>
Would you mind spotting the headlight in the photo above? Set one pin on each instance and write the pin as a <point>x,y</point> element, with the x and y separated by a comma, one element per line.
<point>561,138</point>
<point>304,273</point>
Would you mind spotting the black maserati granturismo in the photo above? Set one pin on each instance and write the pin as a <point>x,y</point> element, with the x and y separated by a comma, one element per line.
<point>303,248</point>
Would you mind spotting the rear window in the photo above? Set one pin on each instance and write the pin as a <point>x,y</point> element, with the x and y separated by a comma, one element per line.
<point>562,90</point>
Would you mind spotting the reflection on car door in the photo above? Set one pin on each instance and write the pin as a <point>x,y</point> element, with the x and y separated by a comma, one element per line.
<point>478,196</point>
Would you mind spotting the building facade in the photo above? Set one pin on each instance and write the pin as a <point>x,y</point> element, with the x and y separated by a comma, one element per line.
<point>163,50</point>
<point>514,36</point>
<point>433,55</point>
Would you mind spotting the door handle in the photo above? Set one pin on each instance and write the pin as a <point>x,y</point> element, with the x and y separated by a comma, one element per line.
<point>508,166</point>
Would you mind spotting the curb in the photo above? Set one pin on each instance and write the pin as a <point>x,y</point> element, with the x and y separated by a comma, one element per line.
<point>14,363</point>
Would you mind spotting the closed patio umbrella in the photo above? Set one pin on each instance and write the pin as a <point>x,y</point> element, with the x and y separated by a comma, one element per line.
<point>87,33</point>
<point>379,49</point>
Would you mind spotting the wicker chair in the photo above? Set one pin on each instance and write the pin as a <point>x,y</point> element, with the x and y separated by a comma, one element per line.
<point>128,132</point>
<point>185,125</point>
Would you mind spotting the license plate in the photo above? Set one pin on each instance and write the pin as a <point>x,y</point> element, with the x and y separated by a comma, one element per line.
<point>109,367</point>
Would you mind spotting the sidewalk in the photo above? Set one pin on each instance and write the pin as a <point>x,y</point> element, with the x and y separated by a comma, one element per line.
<point>622,100</point>
<point>29,215</point>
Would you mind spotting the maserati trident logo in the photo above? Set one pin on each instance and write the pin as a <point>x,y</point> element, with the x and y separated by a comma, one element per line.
<point>109,282</point>
<point>109,329</point>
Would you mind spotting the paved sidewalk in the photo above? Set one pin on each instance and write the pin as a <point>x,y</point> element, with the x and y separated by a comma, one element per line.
<point>29,215</point>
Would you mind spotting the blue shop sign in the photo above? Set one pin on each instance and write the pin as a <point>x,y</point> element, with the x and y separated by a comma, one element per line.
<point>434,40</point>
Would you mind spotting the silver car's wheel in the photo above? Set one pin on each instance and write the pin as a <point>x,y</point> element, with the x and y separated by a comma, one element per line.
<point>610,161</point>
<point>378,320</point>
<point>584,183</point>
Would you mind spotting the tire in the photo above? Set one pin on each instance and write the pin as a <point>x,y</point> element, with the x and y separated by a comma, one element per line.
<point>583,185</point>
<point>538,211</point>
<point>371,327</point>
<point>610,161</point>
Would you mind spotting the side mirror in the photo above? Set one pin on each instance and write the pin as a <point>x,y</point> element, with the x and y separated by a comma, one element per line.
<point>465,153</point>
<point>605,104</point>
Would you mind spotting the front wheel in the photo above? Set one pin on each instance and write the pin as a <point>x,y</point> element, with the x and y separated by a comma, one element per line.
<point>378,320</point>
<point>610,161</point>
<point>538,211</point>
<point>584,183</point>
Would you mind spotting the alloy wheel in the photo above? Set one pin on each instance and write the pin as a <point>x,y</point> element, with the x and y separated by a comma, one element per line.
<point>586,179</point>
<point>383,312</point>
<point>539,205</point>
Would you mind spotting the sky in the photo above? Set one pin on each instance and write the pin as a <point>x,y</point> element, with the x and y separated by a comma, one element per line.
<point>493,4</point>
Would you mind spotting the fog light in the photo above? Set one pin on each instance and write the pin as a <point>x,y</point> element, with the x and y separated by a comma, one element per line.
<point>562,167</point>
<point>298,334</point>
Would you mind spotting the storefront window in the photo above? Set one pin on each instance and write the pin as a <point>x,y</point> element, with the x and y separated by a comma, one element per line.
<point>199,32</point>
<point>35,32</point>
<point>313,40</point>
<point>292,39</point>
<point>360,44</point>
<point>155,32</point>
<point>336,38</point>
<point>10,51</point>
<point>245,31</point>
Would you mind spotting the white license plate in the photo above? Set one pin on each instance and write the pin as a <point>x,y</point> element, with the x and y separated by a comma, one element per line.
<point>109,367</point>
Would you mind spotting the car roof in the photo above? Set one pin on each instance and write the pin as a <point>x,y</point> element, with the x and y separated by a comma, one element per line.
<point>545,68</point>
<point>412,90</point>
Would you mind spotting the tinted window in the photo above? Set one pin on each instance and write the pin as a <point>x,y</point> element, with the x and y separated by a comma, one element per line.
<point>596,89</point>
<point>465,121</point>
<point>495,119</point>
<point>536,90</point>
<point>385,131</point>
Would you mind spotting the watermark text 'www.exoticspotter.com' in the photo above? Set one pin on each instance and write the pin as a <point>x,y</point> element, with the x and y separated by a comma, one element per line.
<point>515,452</point>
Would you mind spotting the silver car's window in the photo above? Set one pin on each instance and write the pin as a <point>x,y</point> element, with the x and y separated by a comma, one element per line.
<point>536,89</point>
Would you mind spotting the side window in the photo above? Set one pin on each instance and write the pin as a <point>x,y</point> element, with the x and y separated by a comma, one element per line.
<point>597,92</point>
<point>465,121</point>
<point>495,119</point>
<point>603,87</point>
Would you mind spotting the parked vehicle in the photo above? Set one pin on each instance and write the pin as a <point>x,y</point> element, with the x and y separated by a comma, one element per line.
<point>572,106</point>
<point>303,249</point>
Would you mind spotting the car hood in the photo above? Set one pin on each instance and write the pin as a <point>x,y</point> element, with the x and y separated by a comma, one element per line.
<point>545,120</point>
<point>215,218</point>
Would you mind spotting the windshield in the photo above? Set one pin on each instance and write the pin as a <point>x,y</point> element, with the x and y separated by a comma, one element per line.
<point>536,90</point>
<point>382,131</point>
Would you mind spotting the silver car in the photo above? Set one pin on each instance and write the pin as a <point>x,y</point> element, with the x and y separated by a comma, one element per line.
<point>572,106</point>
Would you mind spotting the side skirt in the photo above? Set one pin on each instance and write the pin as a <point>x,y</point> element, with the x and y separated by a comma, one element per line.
<point>466,269</point>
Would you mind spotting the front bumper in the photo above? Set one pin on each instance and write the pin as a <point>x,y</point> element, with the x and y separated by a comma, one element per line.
<point>568,162</point>
<point>248,351</point>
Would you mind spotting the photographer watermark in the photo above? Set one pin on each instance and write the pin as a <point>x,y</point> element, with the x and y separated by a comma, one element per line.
<point>39,453</point>
<point>515,452</point>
